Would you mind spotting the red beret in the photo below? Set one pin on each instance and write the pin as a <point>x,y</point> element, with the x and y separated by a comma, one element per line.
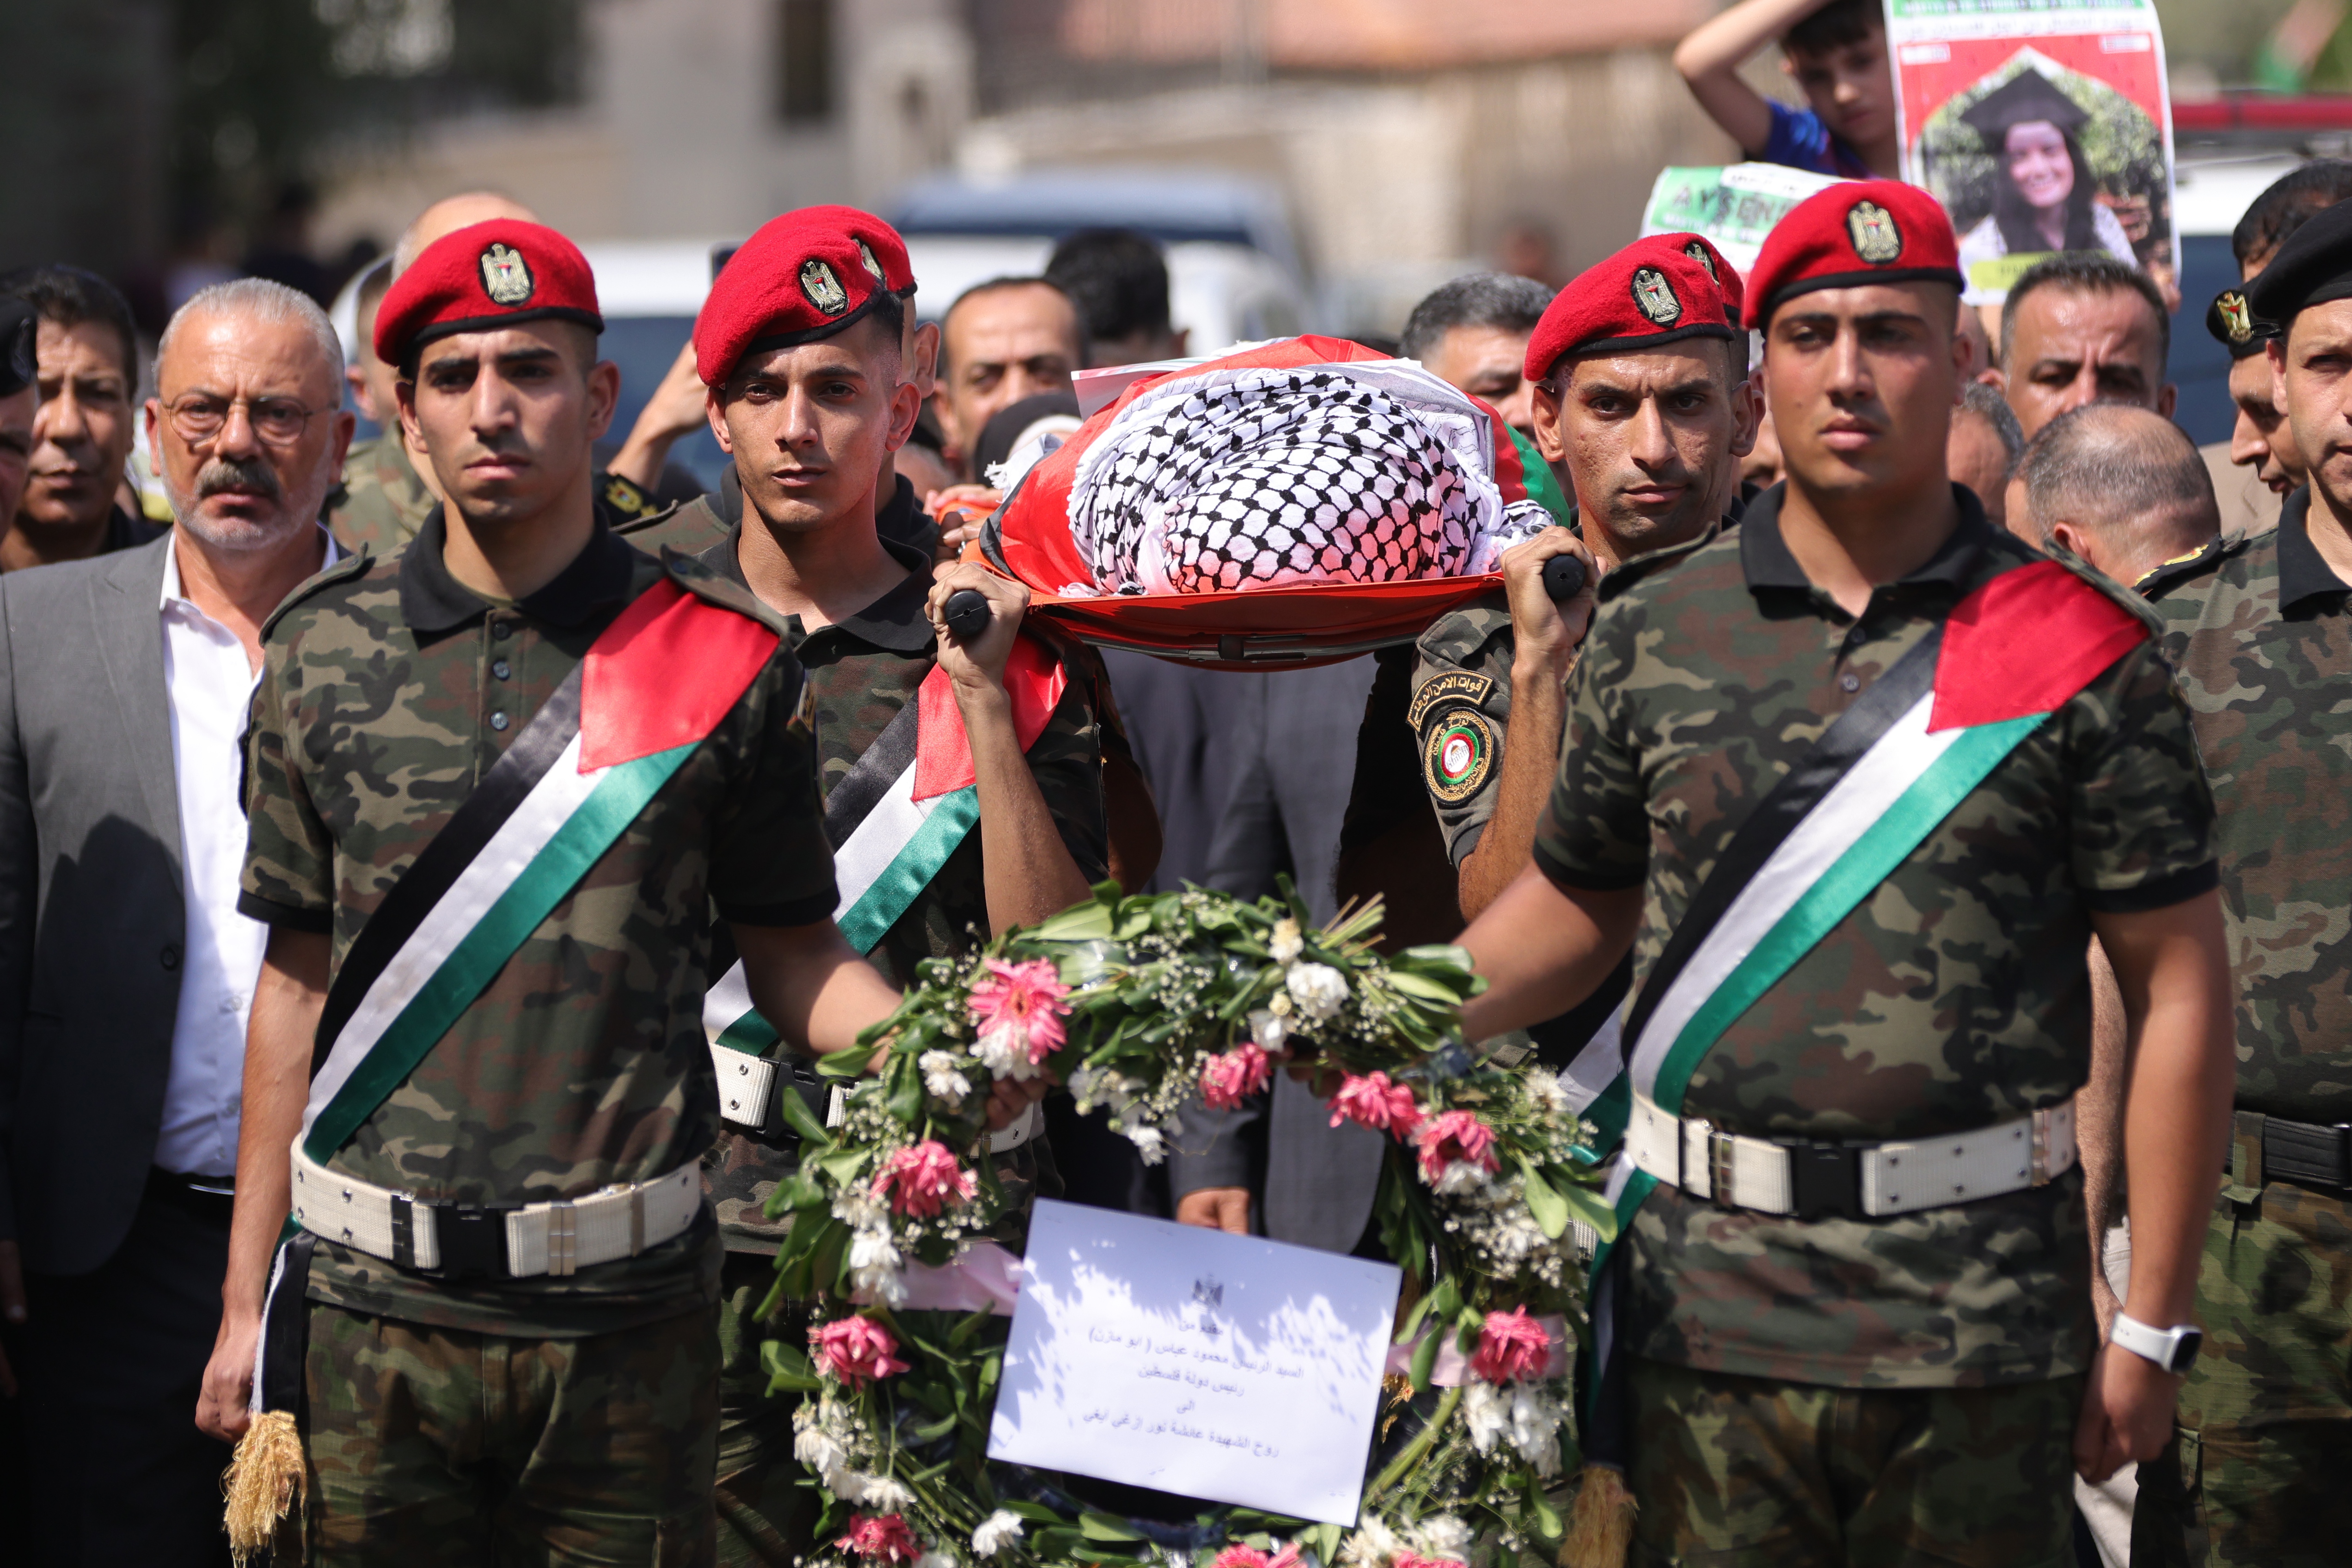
<point>878,244</point>
<point>800,277</point>
<point>1855,234</point>
<point>1646,295</point>
<point>482,277</point>
<point>1701,249</point>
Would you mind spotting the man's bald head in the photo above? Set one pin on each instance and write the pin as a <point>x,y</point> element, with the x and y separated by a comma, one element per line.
<point>449,214</point>
<point>2123,488</point>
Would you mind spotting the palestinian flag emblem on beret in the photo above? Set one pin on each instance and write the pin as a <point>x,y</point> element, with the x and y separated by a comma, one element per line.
<point>1654,296</point>
<point>1698,253</point>
<point>866,254</point>
<point>2237,318</point>
<point>1871,229</point>
<point>506,277</point>
<point>823,288</point>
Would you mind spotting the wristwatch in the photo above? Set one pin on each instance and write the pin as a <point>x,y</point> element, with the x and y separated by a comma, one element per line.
<point>2172,1349</point>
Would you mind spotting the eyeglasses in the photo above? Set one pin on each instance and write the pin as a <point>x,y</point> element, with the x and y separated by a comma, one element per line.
<point>280,421</point>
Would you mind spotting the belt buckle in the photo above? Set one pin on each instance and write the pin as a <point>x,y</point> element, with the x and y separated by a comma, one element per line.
<point>562,1239</point>
<point>1824,1181</point>
<point>473,1243</point>
<point>1719,1166</point>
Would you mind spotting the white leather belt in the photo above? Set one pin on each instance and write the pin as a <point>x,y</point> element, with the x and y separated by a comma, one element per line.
<point>1857,1181</point>
<point>558,1239</point>
<point>748,1085</point>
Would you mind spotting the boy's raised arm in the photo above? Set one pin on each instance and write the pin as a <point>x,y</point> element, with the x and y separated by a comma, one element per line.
<point>1711,57</point>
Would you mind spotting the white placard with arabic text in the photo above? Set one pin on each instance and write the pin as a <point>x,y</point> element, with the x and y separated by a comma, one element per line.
<point>1213,1366</point>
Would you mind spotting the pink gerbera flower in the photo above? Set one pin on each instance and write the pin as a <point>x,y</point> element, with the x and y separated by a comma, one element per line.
<point>923,1180</point>
<point>1289,1557</point>
<point>882,1535</point>
<point>1225,1083</point>
<point>1240,1556</point>
<point>1019,1008</point>
<point>1373,1101</point>
<point>1415,1560</point>
<point>1454,1139</point>
<point>857,1351</point>
<point>1512,1348</point>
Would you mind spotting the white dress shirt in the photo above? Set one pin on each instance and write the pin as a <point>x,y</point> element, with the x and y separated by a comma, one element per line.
<point>210,689</point>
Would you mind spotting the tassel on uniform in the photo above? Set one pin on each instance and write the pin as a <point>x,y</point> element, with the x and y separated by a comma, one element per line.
<point>266,1485</point>
<point>1599,1522</point>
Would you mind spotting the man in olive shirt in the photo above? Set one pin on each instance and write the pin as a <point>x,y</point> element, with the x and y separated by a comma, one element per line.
<point>2260,631</point>
<point>487,831</point>
<point>808,397</point>
<point>1857,848</point>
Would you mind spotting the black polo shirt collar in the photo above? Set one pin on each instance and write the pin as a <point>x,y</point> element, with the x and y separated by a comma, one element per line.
<point>433,602</point>
<point>899,620</point>
<point>1764,556</point>
<point>2302,571</point>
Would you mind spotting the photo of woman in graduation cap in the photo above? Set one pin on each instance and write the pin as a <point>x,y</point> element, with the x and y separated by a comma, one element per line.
<point>2043,194</point>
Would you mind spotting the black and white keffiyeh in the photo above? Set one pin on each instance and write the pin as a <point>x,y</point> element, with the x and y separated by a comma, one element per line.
<point>1262,478</point>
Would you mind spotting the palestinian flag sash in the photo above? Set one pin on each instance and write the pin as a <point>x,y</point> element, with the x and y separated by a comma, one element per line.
<point>1873,787</point>
<point>893,821</point>
<point>650,691</point>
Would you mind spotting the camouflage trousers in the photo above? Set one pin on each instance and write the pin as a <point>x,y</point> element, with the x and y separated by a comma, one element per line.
<point>1745,1472</point>
<point>765,1514</point>
<point>2262,1472</point>
<point>450,1449</point>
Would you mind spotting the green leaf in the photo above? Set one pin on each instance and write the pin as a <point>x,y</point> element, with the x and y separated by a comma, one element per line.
<point>1089,921</point>
<point>906,1101</point>
<point>1034,1512</point>
<point>787,1369</point>
<point>843,1166</point>
<point>1427,990</point>
<point>794,1194</point>
<point>1325,1539</point>
<point>1445,1300</point>
<point>826,1269</point>
<point>1425,1360</point>
<point>1589,1205</point>
<point>803,1122</point>
<point>1102,1527</point>
<point>960,1335</point>
<point>1546,1517</point>
<point>1544,1201</point>
<point>846,1064</point>
<point>934,1430</point>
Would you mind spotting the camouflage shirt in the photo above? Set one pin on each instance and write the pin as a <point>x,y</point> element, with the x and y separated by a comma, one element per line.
<point>861,671</point>
<point>1460,709</point>
<point>383,501</point>
<point>387,691</point>
<point>2263,636</point>
<point>700,525</point>
<point>1953,997</point>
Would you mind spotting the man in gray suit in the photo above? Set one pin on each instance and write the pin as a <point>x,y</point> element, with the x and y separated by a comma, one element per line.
<point>125,971</point>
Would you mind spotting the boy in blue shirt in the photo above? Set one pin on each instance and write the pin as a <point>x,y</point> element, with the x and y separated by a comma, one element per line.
<point>1837,52</point>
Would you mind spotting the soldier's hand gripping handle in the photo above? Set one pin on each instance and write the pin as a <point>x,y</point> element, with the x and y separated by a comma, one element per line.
<point>967,614</point>
<point>1563,577</point>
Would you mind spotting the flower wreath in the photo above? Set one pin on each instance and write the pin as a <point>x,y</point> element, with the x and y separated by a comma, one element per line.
<point>1139,1005</point>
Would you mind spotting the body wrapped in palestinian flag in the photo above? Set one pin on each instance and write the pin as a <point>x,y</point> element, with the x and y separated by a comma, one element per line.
<point>1297,502</point>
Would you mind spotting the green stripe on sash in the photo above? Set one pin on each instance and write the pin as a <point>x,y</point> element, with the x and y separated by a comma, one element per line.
<point>592,828</point>
<point>869,920</point>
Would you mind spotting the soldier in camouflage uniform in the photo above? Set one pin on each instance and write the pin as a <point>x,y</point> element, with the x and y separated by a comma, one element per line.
<point>1816,1375</point>
<point>826,388</point>
<point>2261,631</point>
<point>491,1402</point>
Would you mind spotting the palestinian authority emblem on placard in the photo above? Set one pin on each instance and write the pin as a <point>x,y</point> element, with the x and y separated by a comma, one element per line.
<point>866,254</point>
<point>1457,755</point>
<point>1700,254</point>
<point>2237,318</point>
<point>506,277</point>
<point>1655,297</point>
<point>823,288</point>
<point>1871,229</point>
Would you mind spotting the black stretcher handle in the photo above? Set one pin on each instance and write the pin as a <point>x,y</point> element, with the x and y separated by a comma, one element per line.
<point>967,615</point>
<point>1563,578</point>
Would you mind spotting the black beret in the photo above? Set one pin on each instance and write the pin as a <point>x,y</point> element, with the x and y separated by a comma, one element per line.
<point>18,322</point>
<point>2234,325</point>
<point>2313,267</point>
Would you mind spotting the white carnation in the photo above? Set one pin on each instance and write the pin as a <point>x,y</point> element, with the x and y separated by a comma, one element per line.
<point>1288,945</point>
<point>885,1495</point>
<point>1374,1545</point>
<point>1486,1411</point>
<point>1005,1051</point>
<point>859,1209</point>
<point>1147,1141</point>
<point>875,1267</point>
<point>815,1447</point>
<point>997,1531</point>
<point>1443,1535</point>
<point>1319,990</point>
<point>942,1076</point>
<point>1536,1416</point>
<point>1549,1093</point>
<point>1268,1031</point>
<point>1083,1083</point>
<point>1461,1177</point>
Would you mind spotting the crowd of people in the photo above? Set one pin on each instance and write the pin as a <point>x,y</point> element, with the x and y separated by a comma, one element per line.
<point>1937,764</point>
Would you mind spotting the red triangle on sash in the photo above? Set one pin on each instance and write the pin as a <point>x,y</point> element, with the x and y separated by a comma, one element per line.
<point>1033,678</point>
<point>664,674</point>
<point>2024,643</point>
